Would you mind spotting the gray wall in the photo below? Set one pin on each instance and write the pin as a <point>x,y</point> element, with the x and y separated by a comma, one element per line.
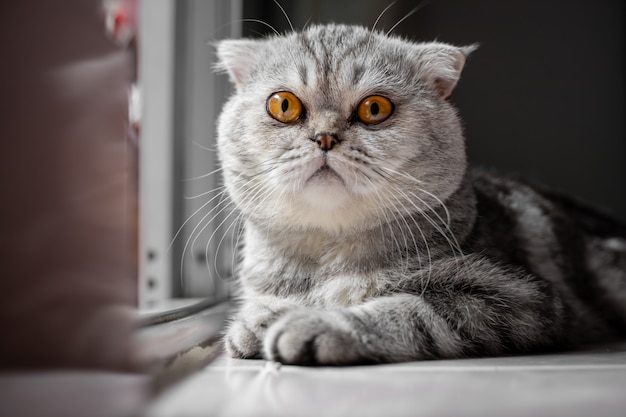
<point>543,97</point>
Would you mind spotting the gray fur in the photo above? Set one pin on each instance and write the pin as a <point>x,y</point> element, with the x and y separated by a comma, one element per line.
<point>399,251</point>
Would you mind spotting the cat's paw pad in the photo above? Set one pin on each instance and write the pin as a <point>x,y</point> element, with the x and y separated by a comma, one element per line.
<point>312,338</point>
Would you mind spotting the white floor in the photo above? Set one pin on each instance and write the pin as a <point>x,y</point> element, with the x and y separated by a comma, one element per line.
<point>590,383</point>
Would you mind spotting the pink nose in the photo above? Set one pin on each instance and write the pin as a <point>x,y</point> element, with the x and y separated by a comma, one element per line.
<point>326,141</point>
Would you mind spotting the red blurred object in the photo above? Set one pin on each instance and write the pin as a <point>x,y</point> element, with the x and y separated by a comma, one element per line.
<point>121,20</point>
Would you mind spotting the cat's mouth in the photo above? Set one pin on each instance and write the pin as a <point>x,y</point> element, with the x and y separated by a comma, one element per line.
<point>324,188</point>
<point>325,172</point>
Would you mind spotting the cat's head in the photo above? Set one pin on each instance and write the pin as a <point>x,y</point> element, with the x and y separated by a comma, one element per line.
<point>339,127</point>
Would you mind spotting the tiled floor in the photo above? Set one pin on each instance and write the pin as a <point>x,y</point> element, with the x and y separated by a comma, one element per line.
<point>590,383</point>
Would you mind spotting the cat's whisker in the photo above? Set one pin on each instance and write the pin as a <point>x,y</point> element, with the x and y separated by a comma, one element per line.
<point>191,239</point>
<point>307,22</point>
<point>380,197</point>
<point>263,192</point>
<point>381,209</point>
<point>456,251</point>
<point>240,220</point>
<point>193,197</point>
<point>221,194</point>
<point>228,205</point>
<point>384,222</point>
<point>204,148</point>
<point>192,216</point>
<point>261,22</point>
<point>401,174</point>
<point>217,249</point>
<point>396,214</point>
<point>215,171</point>
<point>452,240</point>
<point>220,201</point>
<point>250,177</point>
<point>216,256</point>
<point>273,160</point>
<point>454,244</point>
<point>430,220</point>
<point>206,225</point>
<point>380,16</point>
<point>441,204</point>
<point>415,245</point>
<point>391,182</point>
<point>417,181</point>
<point>439,229</point>
<point>285,14</point>
<point>409,14</point>
<point>250,191</point>
<point>236,243</point>
<point>421,232</point>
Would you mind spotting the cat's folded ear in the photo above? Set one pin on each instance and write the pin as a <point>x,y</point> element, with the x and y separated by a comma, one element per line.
<point>440,65</point>
<point>237,57</point>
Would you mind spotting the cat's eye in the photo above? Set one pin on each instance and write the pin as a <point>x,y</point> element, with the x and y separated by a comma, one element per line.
<point>374,109</point>
<point>284,107</point>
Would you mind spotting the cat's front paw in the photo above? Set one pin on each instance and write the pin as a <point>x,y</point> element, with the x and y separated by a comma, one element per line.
<point>247,330</point>
<point>313,338</point>
<point>241,342</point>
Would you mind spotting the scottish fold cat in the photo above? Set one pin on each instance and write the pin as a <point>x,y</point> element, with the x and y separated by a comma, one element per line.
<point>367,236</point>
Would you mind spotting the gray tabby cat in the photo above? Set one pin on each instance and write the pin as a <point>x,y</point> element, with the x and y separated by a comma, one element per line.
<point>368,239</point>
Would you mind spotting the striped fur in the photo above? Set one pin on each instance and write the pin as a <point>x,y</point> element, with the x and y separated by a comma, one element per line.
<point>403,252</point>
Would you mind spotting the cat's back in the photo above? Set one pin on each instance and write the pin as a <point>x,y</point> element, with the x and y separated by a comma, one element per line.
<point>578,250</point>
<point>534,212</point>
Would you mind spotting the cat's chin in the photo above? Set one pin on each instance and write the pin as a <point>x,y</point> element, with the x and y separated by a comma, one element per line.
<point>325,192</point>
<point>323,211</point>
<point>325,189</point>
<point>327,202</point>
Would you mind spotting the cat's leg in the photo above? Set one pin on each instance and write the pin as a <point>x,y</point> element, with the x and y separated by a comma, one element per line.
<point>474,309</point>
<point>246,330</point>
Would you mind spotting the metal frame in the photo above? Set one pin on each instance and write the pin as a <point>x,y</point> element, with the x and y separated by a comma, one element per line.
<point>181,98</point>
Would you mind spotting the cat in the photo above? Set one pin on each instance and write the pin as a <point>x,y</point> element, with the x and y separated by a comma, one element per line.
<point>368,238</point>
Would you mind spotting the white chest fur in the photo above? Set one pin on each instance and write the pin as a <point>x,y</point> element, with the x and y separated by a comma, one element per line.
<point>345,290</point>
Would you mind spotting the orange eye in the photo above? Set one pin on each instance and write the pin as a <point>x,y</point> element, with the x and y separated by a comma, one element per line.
<point>374,109</point>
<point>284,107</point>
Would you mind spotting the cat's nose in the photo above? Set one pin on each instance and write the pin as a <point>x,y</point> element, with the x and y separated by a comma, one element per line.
<point>326,141</point>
